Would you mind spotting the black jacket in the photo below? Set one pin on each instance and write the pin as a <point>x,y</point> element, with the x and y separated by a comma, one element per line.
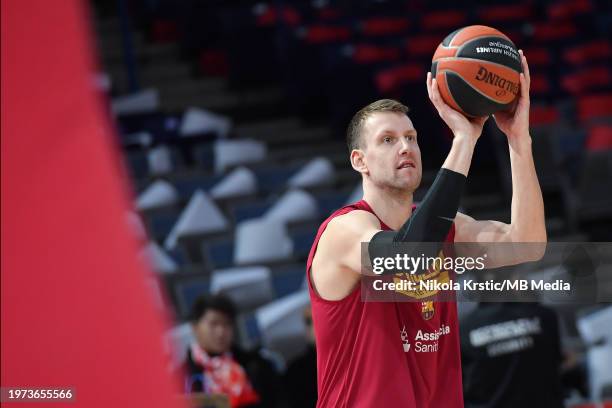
<point>511,357</point>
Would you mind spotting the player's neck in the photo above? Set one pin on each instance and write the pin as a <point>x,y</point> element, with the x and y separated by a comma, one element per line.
<point>393,207</point>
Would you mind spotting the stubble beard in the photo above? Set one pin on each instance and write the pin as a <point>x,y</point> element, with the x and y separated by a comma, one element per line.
<point>398,187</point>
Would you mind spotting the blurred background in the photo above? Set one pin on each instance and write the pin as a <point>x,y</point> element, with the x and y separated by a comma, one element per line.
<point>231,118</point>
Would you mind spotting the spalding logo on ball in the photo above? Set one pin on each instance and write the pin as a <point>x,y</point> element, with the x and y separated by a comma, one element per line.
<point>477,69</point>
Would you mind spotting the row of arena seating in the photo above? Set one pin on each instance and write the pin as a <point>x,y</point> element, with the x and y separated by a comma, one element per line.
<point>322,49</point>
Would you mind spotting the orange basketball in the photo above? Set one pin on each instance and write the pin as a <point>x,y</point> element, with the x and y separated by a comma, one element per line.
<point>477,69</point>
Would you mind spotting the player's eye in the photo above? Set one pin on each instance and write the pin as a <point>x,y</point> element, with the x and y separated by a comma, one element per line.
<point>387,139</point>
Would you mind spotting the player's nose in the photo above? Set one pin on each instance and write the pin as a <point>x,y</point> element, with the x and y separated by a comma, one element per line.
<point>405,147</point>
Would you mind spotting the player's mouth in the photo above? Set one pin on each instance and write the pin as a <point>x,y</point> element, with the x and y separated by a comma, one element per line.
<point>407,164</point>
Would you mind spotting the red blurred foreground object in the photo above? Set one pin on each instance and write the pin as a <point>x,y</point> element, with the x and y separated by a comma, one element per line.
<point>75,309</point>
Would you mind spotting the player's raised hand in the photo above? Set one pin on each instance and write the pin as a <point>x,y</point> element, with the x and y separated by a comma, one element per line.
<point>459,124</point>
<point>515,123</point>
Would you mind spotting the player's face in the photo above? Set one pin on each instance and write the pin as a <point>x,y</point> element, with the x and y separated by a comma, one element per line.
<point>391,152</point>
<point>214,332</point>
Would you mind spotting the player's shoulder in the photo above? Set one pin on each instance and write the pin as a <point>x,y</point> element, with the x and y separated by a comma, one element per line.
<point>344,228</point>
<point>356,219</point>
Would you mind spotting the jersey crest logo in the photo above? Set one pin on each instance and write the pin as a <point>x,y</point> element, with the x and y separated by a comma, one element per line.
<point>427,310</point>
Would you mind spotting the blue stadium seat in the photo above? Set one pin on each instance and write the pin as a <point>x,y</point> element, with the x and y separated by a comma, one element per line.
<point>250,333</point>
<point>250,210</point>
<point>160,224</point>
<point>137,163</point>
<point>331,201</point>
<point>161,126</point>
<point>205,156</point>
<point>178,256</point>
<point>187,290</point>
<point>186,185</point>
<point>218,254</point>
<point>272,178</point>
<point>288,279</point>
<point>303,238</point>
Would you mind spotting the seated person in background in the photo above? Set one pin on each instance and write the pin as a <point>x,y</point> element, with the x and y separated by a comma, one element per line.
<point>511,356</point>
<point>211,366</point>
<point>301,375</point>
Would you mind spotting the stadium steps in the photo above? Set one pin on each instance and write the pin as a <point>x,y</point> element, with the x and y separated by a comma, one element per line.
<point>335,151</point>
<point>236,104</point>
<point>184,84</point>
<point>263,129</point>
<point>155,73</point>
<point>305,135</point>
<point>111,51</point>
<point>109,43</point>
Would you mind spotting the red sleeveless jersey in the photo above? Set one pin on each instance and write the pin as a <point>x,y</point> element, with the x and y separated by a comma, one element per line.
<point>385,354</point>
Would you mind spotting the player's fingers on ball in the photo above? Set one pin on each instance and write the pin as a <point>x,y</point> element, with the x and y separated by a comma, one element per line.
<point>433,96</point>
<point>432,89</point>
<point>523,101</point>
<point>434,99</point>
<point>435,92</point>
<point>524,86</point>
<point>430,95</point>
<point>523,60</point>
<point>428,84</point>
<point>525,67</point>
<point>440,104</point>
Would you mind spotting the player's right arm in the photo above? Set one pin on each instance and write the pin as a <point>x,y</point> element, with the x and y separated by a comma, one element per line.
<point>336,266</point>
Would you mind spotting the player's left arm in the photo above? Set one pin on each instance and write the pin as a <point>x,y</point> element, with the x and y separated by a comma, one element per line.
<point>527,222</point>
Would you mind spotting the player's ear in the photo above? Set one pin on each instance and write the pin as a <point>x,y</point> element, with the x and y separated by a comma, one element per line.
<point>358,161</point>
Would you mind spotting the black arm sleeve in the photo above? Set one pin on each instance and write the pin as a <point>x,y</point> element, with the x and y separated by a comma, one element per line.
<point>431,221</point>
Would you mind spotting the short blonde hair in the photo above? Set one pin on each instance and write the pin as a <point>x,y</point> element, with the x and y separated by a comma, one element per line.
<point>353,133</point>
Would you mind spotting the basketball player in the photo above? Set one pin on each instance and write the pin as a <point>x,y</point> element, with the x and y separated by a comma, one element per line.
<point>406,354</point>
